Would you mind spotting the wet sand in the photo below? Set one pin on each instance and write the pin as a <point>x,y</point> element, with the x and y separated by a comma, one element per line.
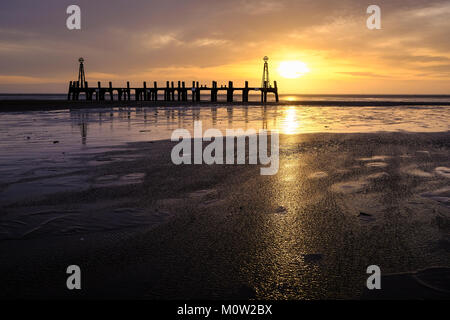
<point>145,228</point>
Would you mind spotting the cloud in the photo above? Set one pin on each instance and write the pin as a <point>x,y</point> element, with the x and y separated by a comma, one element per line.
<point>418,58</point>
<point>206,42</point>
<point>121,39</point>
<point>13,79</point>
<point>156,41</point>
<point>260,7</point>
<point>433,11</point>
<point>363,74</point>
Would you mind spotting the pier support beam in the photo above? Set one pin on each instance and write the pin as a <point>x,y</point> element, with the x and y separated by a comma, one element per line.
<point>70,91</point>
<point>245,92</point>
<point>172,91</point>
<point>89,92</point>
<point>276,91</point>
<point>214,92</point>
<point>197,92</point>
<point>145,98</point>
<point>136,94</point>
<point>230,91</point>
<point>111,91</point>
<point>184,91</point>
<point>98,96</point>
<point>77,91</point>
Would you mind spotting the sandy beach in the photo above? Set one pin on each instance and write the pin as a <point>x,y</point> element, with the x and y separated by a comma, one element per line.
<point>146,228</point>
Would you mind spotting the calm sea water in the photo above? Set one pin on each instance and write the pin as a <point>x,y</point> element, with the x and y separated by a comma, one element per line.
<point>283,97</point>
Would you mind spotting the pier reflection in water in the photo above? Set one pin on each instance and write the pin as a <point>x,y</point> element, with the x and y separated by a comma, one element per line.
<point>140,124</point>
<point>43,138</point>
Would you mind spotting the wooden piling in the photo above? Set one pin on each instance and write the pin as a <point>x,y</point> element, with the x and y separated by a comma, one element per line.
<point>98,94</point>
<point>155,93</point>
<point>245,92</point>
<point>184,92</point>
<point>70,91</point>
<point>214,92</point>
<point>230,91</point>
<point>276,91</point>
<point>197,92</point>
<point>110,90</point>
<point>151,94</point>
<point>172,91</point>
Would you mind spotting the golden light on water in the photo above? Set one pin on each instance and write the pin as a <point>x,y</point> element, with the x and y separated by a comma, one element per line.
<point>290,122</point>
<point>292,69</point>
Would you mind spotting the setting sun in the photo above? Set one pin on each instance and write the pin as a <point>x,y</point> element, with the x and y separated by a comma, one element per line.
<point>292,69</point>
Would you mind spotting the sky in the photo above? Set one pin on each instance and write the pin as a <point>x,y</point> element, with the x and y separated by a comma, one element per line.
<point>207,40</point>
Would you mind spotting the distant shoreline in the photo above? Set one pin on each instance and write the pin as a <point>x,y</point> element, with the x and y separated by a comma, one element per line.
<point>43,105</point>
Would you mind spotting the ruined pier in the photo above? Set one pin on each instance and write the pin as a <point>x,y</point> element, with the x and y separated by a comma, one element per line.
<point>171,92</point>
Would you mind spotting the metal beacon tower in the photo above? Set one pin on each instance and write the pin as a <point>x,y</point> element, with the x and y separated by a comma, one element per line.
<point>81,76</point>
<point>265,78</point>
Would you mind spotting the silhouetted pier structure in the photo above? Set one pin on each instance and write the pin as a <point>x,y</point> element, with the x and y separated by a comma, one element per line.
<point>171,92</point>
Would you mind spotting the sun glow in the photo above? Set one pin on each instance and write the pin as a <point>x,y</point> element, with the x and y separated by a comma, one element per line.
<point>292,69</point>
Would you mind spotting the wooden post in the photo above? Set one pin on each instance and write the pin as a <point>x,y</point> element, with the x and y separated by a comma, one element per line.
<point>245,93</point>
<point>184,92</point>
<point>70,90</point>
<point>230,91</point>
<point>88,92</point>
<point>111,91</point>
<point>155,85</point>
<point>212,91</point>
<point>276,91</point>
<point>99,93</point>
<point>145,91</point>
<point>193,90</point>
<point>137,94</point>
<point>172,91</point>
<point>128,91</point>
<point>166,92</point>
<point>197,92</point>
<point>77,92</point>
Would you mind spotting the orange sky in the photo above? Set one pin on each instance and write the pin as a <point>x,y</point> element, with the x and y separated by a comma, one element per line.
<point>140,40</point>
